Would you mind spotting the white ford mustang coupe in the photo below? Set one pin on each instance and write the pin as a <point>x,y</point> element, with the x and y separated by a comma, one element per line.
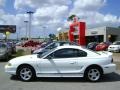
<point>63,61</point>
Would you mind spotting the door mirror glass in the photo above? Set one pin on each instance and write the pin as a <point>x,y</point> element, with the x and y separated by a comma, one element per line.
<point>38,55</point>
<point>49,57</point>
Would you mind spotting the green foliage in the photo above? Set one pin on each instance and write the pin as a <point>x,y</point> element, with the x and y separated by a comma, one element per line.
<point>52,36</point>
<point>70,18</point>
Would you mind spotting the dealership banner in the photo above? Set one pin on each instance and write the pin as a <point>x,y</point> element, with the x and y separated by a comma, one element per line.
<point>7,28</point>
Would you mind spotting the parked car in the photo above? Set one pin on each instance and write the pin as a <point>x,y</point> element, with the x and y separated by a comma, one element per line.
<point>41,45</point>
<point>4,52</point>
<point>19,43</point>
<point>30,43</point>
<point>115,47</point>
<point>62,61</point>
<point>52,45</point>
<point>103,46</point>
<point>92,45</point>
<point>12,46</point>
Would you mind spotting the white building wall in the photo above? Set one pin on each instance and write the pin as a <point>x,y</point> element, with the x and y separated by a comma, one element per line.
<point>96,31</point>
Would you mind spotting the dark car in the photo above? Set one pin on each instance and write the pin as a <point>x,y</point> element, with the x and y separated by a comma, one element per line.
<point>12,46</point>
<point>92,45</point>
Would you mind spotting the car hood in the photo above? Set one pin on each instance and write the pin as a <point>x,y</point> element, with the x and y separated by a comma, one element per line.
<point>23,59</point>
<point>37,51</point>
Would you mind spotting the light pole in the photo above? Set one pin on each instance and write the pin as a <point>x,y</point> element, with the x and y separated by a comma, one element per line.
<point>30,16</point>
<point>19,33</point>
<point>44,29</point>
<point>26,25</point>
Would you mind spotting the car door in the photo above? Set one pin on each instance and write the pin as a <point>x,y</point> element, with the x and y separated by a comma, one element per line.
<point>65,60</point>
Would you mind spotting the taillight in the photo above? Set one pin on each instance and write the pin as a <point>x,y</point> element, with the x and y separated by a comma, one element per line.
<point>112,60</point>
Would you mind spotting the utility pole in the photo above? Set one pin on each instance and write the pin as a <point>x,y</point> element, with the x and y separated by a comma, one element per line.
<point>26,25</point>
<point>44,32</point>
<point>30,16</point>
<point>19,33</point>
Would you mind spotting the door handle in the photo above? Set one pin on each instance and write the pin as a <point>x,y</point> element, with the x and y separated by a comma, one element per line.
<point>72,62</point>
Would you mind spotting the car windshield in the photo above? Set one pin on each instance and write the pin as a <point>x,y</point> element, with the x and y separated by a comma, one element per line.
<point>116,43</point>
<point>45,53</point>
<point>44,44</point>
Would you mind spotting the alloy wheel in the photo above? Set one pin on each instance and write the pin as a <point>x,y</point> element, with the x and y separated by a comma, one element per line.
<point>26,74</point>
<point>94,74</point>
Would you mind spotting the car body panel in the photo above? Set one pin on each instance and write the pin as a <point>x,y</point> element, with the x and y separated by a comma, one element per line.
<point>4,52</point>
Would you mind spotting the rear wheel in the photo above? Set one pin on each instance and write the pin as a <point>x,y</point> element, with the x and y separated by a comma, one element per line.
<point>26,73</point>
<point>93,74</point>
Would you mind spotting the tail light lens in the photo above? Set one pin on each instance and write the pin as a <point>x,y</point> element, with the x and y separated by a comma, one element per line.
<point>112,60</point>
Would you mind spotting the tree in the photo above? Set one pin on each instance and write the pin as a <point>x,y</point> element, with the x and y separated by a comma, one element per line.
<point>70,18</point>
<point>52,36</point>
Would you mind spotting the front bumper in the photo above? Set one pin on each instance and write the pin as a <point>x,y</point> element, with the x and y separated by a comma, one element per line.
<point>109,68</point>
<point>10,70</point>
<point>113,50</point>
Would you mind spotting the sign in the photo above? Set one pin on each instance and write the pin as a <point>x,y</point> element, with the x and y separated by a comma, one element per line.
<point>94,32</point>
<point>7,28</point>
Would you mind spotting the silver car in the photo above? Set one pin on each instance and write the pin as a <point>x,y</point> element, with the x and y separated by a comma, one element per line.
<point>4,52</point>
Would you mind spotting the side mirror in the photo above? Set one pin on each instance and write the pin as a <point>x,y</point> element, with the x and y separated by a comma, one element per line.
<point>38,55</point>
<point>49,57</point>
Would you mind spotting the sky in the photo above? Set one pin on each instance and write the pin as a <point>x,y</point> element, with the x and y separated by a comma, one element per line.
<point>49,15</point>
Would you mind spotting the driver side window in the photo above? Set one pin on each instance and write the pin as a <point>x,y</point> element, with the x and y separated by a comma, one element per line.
<point>67,53</point>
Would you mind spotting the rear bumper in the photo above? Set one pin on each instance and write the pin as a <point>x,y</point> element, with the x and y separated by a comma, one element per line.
<point>109,68</point>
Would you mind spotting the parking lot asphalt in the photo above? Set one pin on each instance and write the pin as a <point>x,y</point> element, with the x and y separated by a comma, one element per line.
<point>116,57</point>
<point>110,82</point>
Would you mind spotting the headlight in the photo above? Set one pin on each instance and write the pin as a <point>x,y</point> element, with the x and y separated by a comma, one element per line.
<point>9,64</point>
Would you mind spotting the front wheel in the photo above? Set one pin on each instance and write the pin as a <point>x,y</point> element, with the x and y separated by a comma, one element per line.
<point>26,73</point>
<point>93,74</point>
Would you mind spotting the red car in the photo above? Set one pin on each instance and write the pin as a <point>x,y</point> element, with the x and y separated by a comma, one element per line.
<point>30,43</point>
<point>103,46</point>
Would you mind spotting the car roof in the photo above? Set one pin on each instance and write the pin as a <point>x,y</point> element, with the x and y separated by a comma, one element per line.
<point>69,46</point>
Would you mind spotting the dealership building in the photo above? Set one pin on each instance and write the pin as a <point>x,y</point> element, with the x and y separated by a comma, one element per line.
<point>99,34</point>
<point>103,34</point>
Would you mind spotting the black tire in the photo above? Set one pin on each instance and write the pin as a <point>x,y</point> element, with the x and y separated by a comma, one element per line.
<point>93,74</point>
<point>26,73</point>
<point>119,51</point>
